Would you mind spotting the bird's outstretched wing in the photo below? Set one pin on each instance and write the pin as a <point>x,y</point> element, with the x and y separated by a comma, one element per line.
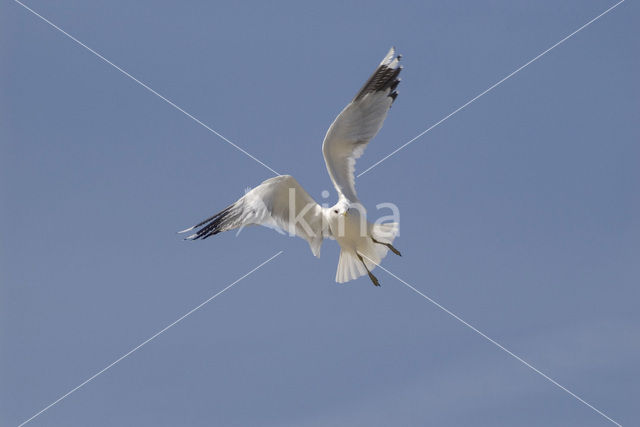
<point>358,123</point>
<point>279,203</point>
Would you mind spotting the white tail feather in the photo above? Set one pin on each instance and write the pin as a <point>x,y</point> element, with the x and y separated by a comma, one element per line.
<point>349,267</point>
<point>349,264</point>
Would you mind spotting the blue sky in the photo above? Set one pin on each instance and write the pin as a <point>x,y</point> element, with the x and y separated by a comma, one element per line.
<point>520,214</point>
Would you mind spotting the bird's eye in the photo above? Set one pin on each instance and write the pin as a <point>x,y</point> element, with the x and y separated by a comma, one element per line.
<point>335,211</point>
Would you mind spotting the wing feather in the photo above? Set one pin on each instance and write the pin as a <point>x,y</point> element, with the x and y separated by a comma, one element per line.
<point>269,204</point>
<point>358,123</point>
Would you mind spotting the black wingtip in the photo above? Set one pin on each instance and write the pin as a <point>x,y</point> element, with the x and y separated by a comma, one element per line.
<point>211,226</point>
<point>384,77</point>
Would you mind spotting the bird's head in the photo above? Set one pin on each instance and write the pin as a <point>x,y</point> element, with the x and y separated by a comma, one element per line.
<point>340,209</point>
<point>346,209</point>
<point>338,212</point>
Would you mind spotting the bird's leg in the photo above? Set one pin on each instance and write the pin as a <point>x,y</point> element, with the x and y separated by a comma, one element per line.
<point>389,245</point>
<point>373,278</point>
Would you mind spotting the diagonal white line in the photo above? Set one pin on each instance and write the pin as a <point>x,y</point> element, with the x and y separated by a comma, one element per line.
<point>494,342</point>
<point>91,378</point>
<point>489,89</point>
<point>183,111</point>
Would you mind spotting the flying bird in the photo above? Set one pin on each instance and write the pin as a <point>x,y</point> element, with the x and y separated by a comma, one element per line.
<point>281,203</point>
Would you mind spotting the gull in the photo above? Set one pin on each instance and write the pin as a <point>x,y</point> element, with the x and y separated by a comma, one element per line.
<point>281,202</point>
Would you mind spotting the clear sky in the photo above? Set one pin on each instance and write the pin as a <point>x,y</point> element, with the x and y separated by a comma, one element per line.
<point>521,214</point>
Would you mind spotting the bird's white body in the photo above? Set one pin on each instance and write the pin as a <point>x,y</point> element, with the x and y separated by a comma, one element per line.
<point>281,202</point>
<point>356,235</point>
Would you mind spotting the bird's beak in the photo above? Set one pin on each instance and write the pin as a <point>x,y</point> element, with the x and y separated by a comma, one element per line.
<point>344,213</point>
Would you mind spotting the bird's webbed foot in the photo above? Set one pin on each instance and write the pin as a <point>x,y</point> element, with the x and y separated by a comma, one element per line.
<point>389,245</point>
<point>373,278</point>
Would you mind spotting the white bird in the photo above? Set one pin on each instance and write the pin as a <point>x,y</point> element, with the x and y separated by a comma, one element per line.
<point>281,202</point>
